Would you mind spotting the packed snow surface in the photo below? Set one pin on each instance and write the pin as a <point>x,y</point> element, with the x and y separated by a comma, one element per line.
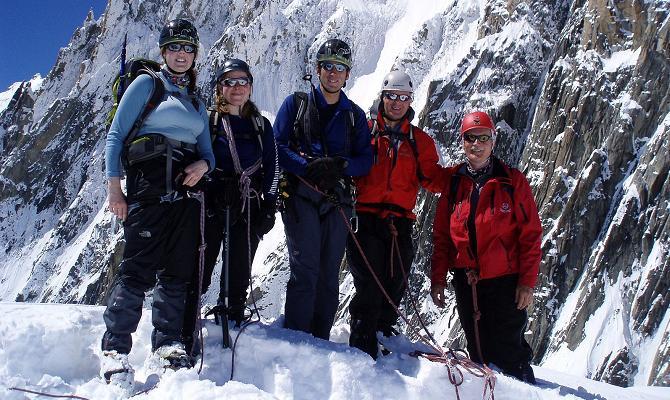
<point>54,348</point>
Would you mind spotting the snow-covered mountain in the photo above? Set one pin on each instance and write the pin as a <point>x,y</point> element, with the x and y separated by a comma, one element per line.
<point>580,88</point>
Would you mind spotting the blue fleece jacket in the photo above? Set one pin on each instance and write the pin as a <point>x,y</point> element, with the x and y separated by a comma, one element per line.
<point>175,118</point>
<point>360,159</point>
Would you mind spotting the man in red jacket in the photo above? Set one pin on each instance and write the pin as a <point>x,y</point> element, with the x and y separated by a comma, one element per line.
<point>487,232</point>
<point>404,160</point>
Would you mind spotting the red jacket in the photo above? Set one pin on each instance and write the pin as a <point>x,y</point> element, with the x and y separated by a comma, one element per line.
<point>507,226</point>
<point>393,179</point>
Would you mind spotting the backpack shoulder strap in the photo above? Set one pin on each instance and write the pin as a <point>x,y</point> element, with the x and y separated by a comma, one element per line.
<point>157,94</point>
<point>213,119</point>
<point>351,133</point>
<point>415,150</point>
<point>300,102</point>
<point>194,95</point>
<point>374,134</point>
<point>257,122</point>
<point>453,189</point>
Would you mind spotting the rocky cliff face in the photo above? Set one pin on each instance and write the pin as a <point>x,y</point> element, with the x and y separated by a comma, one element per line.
<point>597,158</point>
<point>580,89</point>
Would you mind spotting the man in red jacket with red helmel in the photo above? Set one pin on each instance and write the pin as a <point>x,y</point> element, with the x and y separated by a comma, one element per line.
<point>404,159</point>
<point>487,232</point>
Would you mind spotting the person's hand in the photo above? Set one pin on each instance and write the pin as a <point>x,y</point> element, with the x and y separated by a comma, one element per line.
<point>325,172</point>
<point>116,199</point>
<point>524,296</point>
<point>194,172</point>
<point>437,293</point>
<point>266,218</point>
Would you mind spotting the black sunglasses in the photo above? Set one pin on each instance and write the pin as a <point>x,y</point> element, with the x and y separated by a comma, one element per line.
<point>176,47</point>
<point>395,96</point>
<point>232,82</point>
<point>338,67</point>
<point>470,138</point>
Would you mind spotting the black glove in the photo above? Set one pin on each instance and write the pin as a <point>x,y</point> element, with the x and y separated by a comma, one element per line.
<point>265,219</point>
<point>325,172</point>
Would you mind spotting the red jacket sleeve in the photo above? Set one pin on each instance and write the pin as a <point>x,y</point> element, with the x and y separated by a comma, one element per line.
<point>530,230</point>
<point>433,172</point>
<point>443,247</point>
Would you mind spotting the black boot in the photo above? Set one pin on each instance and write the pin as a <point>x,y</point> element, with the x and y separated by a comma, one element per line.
<point>363,338</point>
<point>387,330</point>
<point>522,372</point>
<point>236,314</point>
<point>527,374</point>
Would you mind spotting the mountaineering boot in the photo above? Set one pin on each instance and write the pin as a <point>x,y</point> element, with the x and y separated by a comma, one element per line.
<point>173,356</point>
<point>363,338</point>
<point>387,330</point>
<point>115,369</point>
<point>522,372</point>
<point>526,374</point>
<point>237,315</point>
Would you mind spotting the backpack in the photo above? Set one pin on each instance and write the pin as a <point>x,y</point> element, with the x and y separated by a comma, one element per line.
<point>308,115</point>
<point>134,68</point>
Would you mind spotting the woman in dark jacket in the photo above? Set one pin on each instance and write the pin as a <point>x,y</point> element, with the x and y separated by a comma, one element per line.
<point>487,232</point>
<point>160,219</point>
<point>241,197</point>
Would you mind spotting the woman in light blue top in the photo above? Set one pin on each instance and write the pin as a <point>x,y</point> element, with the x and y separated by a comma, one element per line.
<point>164,157</point>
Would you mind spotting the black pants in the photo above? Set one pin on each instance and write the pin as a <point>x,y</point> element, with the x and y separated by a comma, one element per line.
<point>161,239</point>
<point>501,325</point>
<point>369,305</point>
<point>239,272</point>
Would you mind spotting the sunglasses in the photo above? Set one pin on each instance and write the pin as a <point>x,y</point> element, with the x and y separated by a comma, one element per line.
<point>400,97</point>
<point>176,47</point>
<point>470,138</point>
<point>329,67</point>
<point>232,82</point>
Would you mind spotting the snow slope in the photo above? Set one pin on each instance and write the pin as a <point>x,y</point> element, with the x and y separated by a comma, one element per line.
<point>54,348</point>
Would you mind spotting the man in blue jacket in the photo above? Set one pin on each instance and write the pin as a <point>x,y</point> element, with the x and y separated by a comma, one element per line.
<point>322,141</point>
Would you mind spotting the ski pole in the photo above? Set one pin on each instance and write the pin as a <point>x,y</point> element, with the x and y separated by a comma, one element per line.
<point>226,267</point>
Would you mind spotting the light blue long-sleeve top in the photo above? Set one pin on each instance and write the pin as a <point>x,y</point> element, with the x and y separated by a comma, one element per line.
<point>175,118</point>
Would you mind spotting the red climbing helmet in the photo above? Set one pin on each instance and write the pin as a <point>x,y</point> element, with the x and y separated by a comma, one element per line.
<point>477,119</point>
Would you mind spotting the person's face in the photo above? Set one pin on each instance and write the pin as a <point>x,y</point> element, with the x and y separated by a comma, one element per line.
<point>332,75</point>
<point>476,149</point>
<point>396,104</point>
<point>235,87</point>
<point>177,56</point>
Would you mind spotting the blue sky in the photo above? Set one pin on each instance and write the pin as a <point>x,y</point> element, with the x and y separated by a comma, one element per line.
<point>34,30</point>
